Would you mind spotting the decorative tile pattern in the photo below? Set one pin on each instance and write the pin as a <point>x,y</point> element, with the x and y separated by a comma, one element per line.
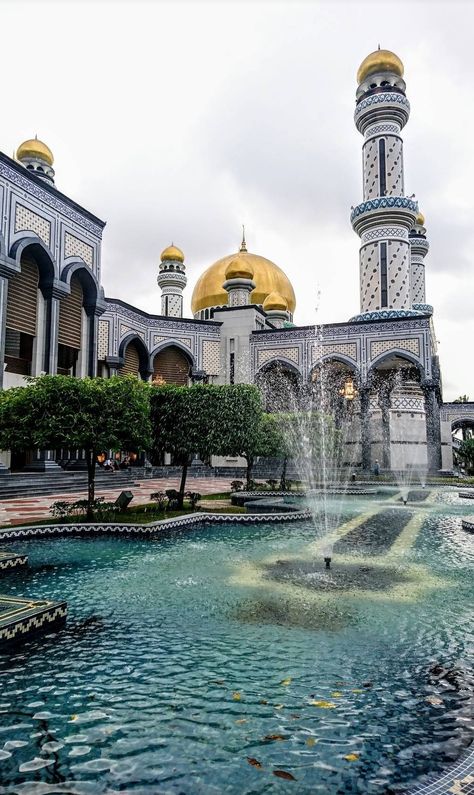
<point>211,356</point>
<point>343,348</point>
<point>26,220</point>
<point>292,354</point>
<point>10,561</point>
<point>382,99</point>
<point>128,329</point>
<point>384,203</point>
<point>103,340</point>
<point>383,232</point>
<point>74,247</point>
<point>22,617</point>
<point>382,346</point>
<point>457,779</point>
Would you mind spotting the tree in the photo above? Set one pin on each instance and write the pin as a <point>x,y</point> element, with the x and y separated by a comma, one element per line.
<point>92,414</point>
<point>186,420</point>
<point>466,452</point>
<point>462,399</point>
<point>205,419</point>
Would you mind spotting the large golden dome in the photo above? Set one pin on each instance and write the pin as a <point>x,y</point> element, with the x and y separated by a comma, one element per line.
<point>267,276</point>
<point>36,150</point>
<point>379,61</point>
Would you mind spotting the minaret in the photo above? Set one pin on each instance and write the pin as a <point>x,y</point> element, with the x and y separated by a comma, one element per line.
<point>385,217</point>
<point>37,157</point>
<point>172,281</point>
<point>419,248</point>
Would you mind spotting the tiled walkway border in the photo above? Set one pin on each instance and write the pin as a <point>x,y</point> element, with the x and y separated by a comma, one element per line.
<point>177,523</point>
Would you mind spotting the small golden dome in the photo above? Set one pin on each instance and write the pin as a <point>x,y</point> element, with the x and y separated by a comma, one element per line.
<point>240,267</point>
<point>275,301</point>
<point>35,149</point>
<point>172,253</point>
<point>379,61</point>
<point>267,276</point>
<point>420,219</point>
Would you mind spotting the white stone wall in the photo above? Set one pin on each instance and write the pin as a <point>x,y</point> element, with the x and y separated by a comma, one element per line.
<point>369,277</point>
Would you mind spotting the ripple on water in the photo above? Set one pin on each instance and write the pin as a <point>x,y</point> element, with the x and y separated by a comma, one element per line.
<point>179,678</point>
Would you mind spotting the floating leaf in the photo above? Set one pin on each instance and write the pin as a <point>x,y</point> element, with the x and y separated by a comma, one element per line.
<point>284,774</point>
<point>236,696</point>
<point>241,720</point>
<point>357,690</point>
<point>336,694</point>
<point>73,717</point>
<point>434,700</point>
<point>254,762</point>
<point>286,681</point>
<point>279,706</point>
<point>323,704</point>
<point>275,737</point>
<point>352,757</point>
<point>366,684</point>
<point>263,701</point>
<point>311,741</point>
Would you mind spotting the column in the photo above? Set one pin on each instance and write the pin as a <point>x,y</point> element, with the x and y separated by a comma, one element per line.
<point>384,403</point>
<point>433,428</point>
<point>364,396</point>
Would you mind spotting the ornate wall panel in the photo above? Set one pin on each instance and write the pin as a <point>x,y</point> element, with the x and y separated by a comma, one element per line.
<point>211,356</point>
<point>27,220</point>
<point>74,247</point>
<point>103,340</point>
<point>377,348</point>
<point>263,356</point>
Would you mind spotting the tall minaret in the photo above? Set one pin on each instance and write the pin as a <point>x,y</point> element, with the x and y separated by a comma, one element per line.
<point>385,217</point>
<point>419,248</point>
<point>172,280</point>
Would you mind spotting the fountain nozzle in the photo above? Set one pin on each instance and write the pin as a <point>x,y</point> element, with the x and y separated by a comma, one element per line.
<point>327,562</point>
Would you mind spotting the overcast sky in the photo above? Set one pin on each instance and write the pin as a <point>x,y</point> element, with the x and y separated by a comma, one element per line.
<point>177,121</point>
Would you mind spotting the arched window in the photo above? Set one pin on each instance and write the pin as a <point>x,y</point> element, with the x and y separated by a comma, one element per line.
<point>131,365</point>
<point>70,329</point>
<point>21,320</point>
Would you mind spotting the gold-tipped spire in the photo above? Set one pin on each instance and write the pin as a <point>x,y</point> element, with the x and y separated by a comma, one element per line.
<point>243,245</point>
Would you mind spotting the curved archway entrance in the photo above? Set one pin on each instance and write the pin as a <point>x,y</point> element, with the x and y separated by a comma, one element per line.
<point>171,366</point>
<point>280,387</point>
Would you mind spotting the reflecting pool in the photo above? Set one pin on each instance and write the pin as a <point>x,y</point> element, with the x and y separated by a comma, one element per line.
<point>224,659</point>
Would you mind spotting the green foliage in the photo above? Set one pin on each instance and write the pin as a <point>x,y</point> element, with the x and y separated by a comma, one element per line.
<point>462,399</point>
<point>235,485</point>
<point>466,452</point>
<point>79,413</point>
<point>102,510</point>
<point>160,499</point>
<point>88,413</point>
<point>193,497</point>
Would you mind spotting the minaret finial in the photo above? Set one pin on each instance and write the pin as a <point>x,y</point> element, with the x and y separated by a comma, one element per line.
<point>243,245</point>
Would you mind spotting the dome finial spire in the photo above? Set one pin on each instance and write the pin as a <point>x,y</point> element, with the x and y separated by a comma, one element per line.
<point>243,245</point>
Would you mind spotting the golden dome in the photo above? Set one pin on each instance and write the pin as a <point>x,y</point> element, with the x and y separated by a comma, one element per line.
<point>35,149</point>
<point>275,301</point>
<point>420,219</point>
<point>172,253</point>
<point>240,267</point>
<point>379,61</point>
<point>267,276</point>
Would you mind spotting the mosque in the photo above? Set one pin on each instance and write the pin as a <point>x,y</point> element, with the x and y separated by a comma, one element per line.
<point>380,367</point>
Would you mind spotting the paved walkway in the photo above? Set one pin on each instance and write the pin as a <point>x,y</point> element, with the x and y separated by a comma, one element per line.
<point>25,509</point>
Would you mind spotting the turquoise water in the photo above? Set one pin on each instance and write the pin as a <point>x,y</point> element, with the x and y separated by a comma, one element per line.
<point>182,660</point>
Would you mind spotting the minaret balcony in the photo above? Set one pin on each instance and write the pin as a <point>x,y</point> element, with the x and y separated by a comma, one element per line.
<point>382,107</point>
<point>384,209</point>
